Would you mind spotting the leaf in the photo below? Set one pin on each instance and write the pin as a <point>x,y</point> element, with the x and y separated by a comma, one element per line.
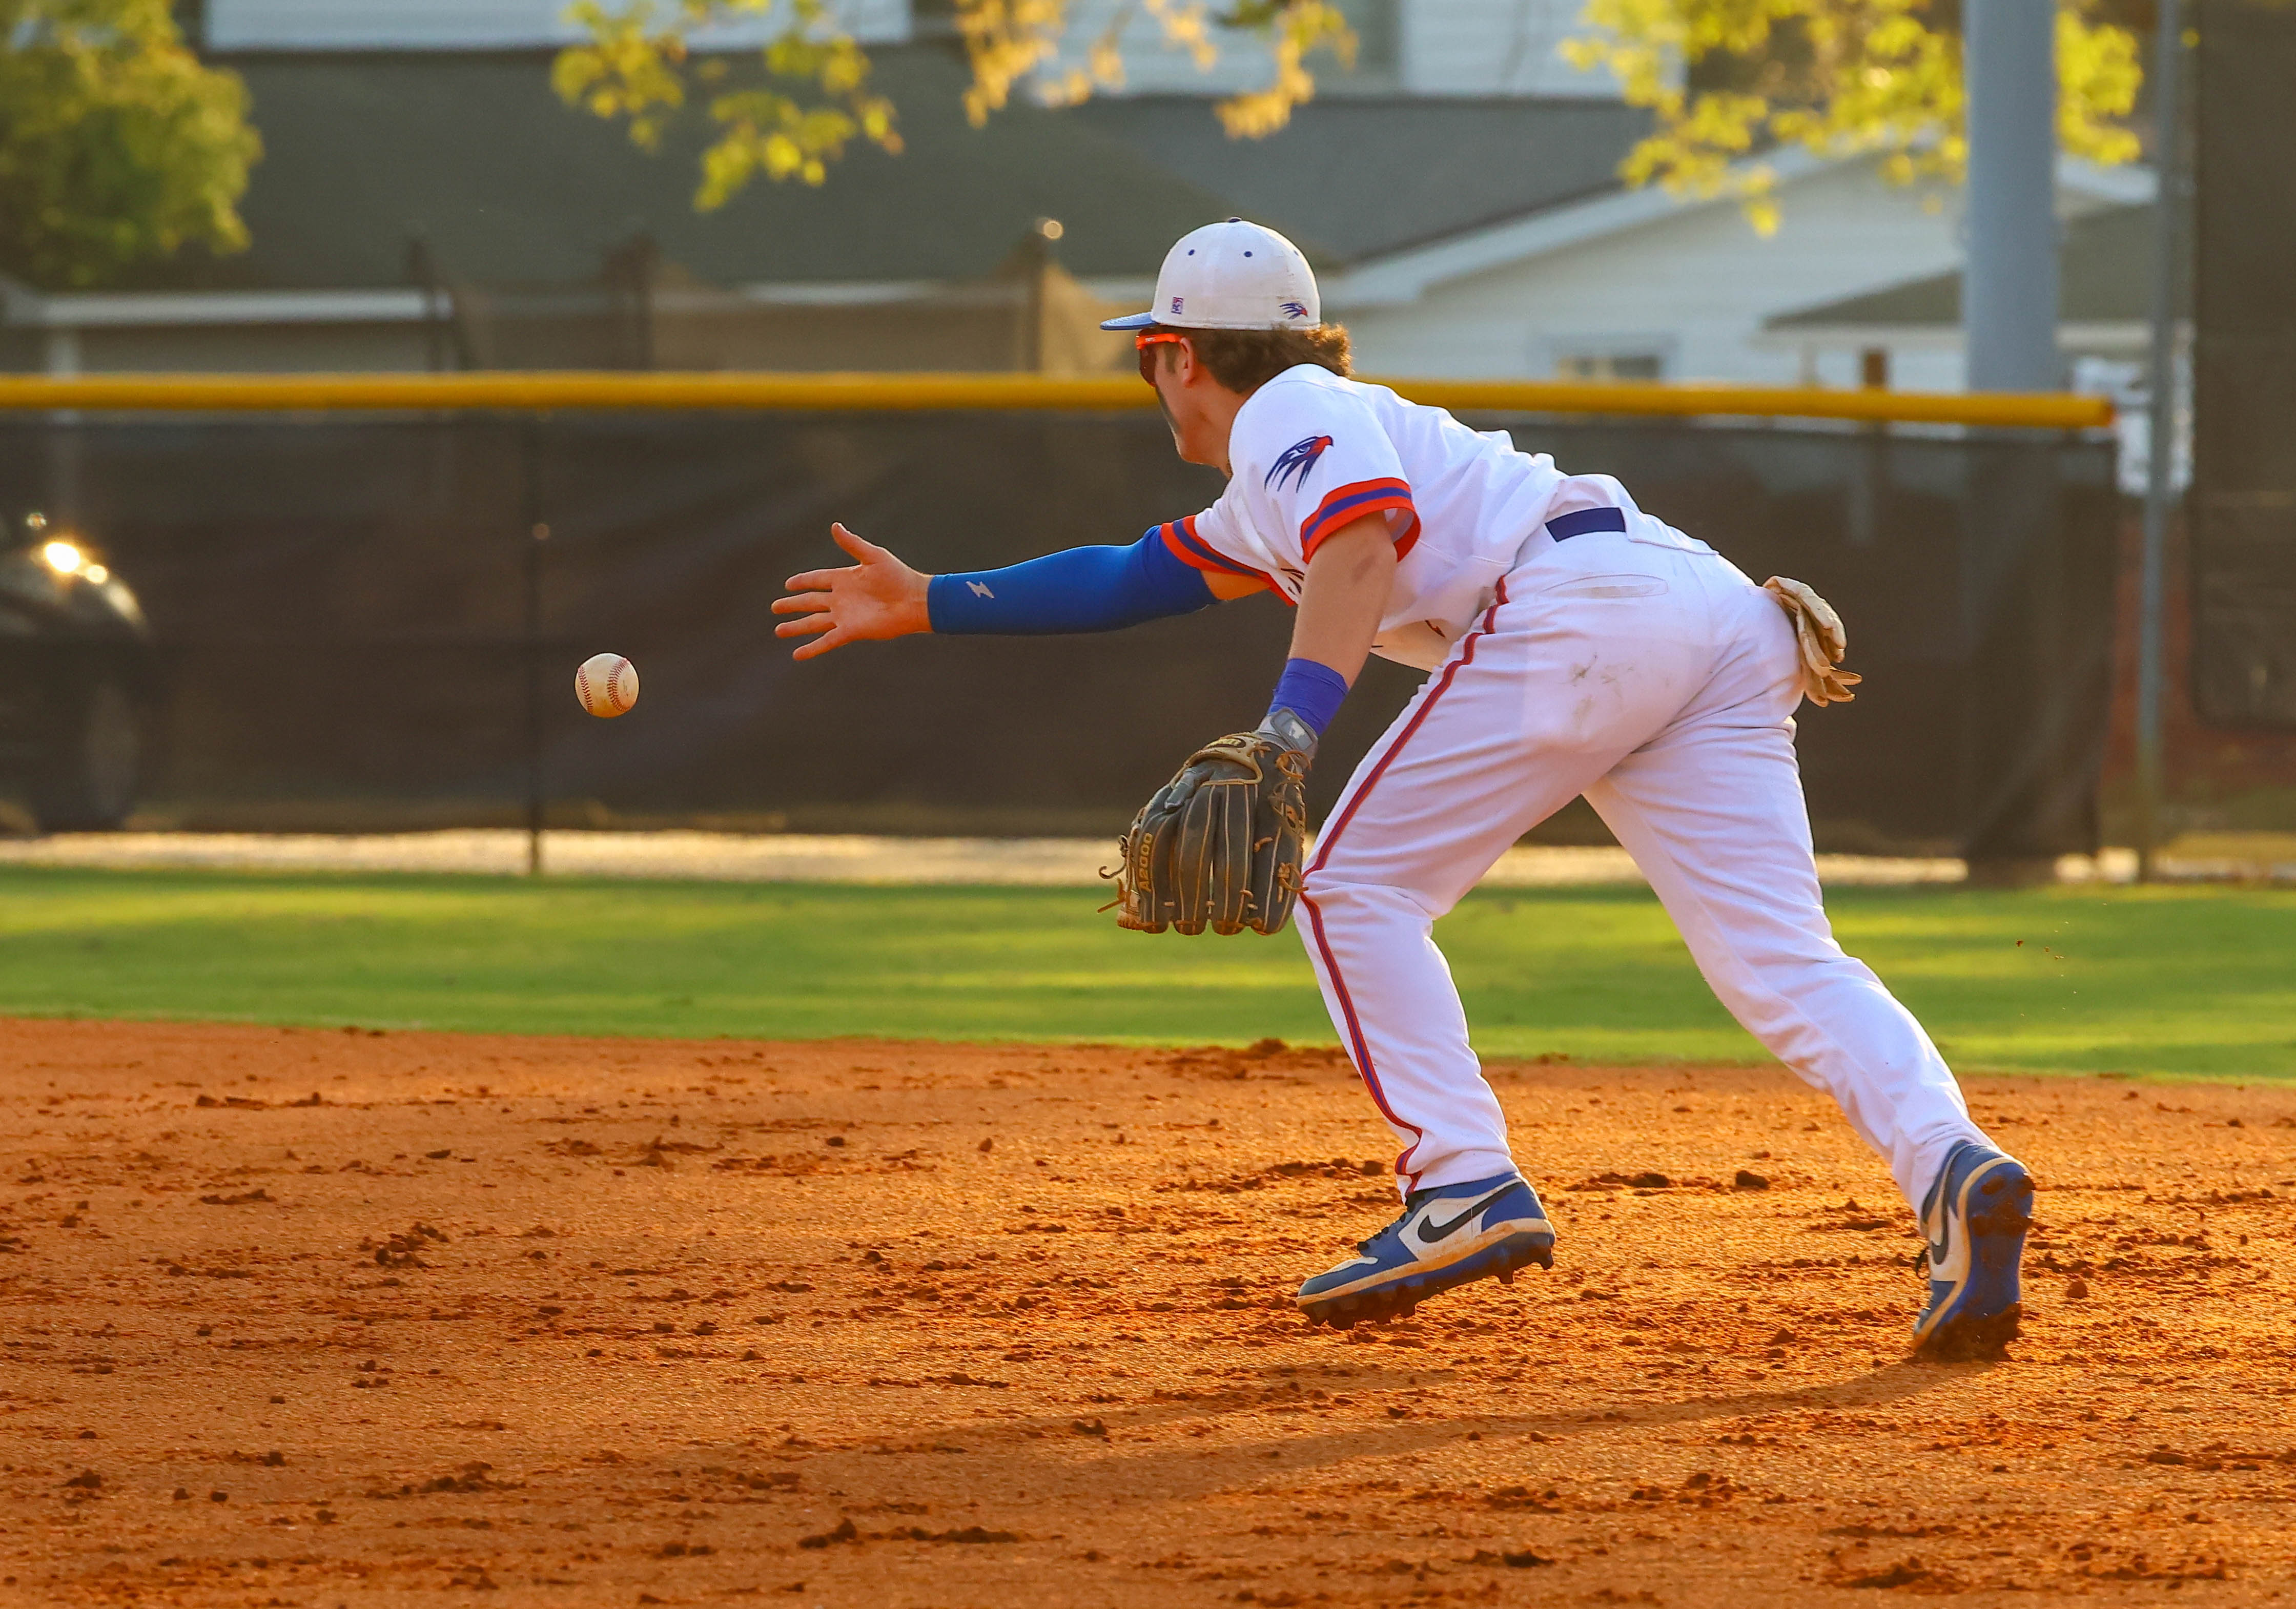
<point>117,146</point>
<point>813,100</point>
<point>1297,29</point>
<point>1726,78</point>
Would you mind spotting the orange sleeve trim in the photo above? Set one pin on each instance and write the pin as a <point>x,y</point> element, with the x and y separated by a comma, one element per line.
<point>1348,504</point>
<point>1180,536</point>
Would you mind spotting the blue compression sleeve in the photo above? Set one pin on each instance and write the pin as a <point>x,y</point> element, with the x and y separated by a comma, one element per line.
<point>1080,589</point>
<point>1311,690</point>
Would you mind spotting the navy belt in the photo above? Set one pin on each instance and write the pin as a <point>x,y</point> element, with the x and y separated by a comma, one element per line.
<point>1563,527</point>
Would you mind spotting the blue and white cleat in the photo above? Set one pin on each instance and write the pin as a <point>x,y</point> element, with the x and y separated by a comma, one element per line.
<point>1447,1236</point>
<point>1975,1218</point>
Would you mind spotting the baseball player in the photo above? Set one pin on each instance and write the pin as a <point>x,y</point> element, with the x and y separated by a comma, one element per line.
<point>1576,645</point>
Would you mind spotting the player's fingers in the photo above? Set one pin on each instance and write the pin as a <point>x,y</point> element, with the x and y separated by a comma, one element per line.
<point>802,602</point>
<point>854,545</point>
<point>809,624</point>
<point>821,645</point>
<point>817,581</point>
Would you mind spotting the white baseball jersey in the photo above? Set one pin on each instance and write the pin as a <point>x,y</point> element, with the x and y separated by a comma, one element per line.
<point>1312,452</point>
<point>1622,660</point>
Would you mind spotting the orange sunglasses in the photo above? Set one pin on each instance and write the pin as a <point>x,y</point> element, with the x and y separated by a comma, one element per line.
<point>1145,343</point>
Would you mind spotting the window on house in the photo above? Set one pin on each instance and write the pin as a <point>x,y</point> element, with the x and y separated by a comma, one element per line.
<point>1610,365</point>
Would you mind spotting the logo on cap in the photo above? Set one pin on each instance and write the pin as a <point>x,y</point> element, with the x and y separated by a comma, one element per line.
<point>1179,304</point>
<point>1293,309</point>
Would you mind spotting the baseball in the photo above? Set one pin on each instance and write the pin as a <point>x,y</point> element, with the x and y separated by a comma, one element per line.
<point>606,686</point>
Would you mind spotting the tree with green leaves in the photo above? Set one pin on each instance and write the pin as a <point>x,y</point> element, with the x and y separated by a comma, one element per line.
<point>117,146</point>
<point>1730,79</point>
<point>813,98</point>
<point>1726,81</point>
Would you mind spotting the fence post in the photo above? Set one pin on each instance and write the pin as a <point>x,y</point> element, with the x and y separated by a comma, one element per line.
<point>2160,457</point>
<point>537,533</point>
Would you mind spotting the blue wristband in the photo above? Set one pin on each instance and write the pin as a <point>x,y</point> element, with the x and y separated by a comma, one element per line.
<point>1311,690</point>
<point>1080,589</point>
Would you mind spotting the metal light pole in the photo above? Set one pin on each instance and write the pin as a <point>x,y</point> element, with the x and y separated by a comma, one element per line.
<point>2159,458</point>
<point>2009,291</point>
<point>2009,318</point>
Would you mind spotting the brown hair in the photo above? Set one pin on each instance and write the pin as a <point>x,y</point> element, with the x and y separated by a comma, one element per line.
<point>1244,360</point>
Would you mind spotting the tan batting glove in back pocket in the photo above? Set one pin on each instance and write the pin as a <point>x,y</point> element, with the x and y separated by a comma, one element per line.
<point>1818,630</point>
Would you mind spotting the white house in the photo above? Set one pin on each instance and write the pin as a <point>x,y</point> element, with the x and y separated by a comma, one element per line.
<point>1417,47</point>
<point>1638,284</point>
<point>1912,331</point>
<point>1458,192</point>
<point>236,26</point>
<point>1408,47</point>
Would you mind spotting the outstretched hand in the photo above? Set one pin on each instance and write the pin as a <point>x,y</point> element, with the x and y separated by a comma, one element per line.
<point>877,598</point>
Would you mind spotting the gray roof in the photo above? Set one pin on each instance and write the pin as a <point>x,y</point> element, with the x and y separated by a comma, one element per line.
<point>1356,178</point>
<point>478,153</point>
<point>2105,276</point>
<point>473,150</point>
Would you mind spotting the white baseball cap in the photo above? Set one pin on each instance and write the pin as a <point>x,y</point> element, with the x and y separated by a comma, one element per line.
<point>1232,277</point>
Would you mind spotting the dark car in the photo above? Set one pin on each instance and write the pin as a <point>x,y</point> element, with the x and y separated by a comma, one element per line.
<point>78,682</point>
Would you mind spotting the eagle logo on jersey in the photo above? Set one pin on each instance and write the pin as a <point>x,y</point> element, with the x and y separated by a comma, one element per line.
<point>1299,458</point>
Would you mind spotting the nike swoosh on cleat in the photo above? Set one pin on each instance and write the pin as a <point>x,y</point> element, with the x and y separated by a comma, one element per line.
<point>1430,1231</point>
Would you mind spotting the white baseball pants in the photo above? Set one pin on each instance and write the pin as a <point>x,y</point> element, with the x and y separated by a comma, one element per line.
<point>1648,673</point>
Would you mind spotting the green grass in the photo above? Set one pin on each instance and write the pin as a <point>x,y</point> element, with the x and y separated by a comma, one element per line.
<point>2176,980</point>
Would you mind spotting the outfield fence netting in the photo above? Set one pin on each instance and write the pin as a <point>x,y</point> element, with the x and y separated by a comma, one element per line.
<point>341,608</point>
<point>2243,497</point>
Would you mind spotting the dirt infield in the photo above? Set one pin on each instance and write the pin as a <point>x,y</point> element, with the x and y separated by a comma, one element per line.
<point>307,1318</point>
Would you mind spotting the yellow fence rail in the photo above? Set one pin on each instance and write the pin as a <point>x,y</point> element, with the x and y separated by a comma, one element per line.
<point>506,392</point>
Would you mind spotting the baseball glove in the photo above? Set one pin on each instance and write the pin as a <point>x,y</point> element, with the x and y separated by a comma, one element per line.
<point>1219,846</point>
<point>1818,630</point>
